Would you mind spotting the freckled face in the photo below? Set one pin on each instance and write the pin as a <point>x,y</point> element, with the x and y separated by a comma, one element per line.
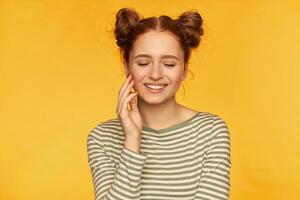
<point>156,58</point>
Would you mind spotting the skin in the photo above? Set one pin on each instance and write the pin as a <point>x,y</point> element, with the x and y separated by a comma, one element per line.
<point>160,110</point>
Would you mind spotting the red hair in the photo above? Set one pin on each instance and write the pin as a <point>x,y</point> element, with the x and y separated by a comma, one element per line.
<point>187,29</point>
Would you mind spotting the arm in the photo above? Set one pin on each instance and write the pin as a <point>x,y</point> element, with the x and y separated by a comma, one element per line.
<point>114,182</point>
<point>214,181</point>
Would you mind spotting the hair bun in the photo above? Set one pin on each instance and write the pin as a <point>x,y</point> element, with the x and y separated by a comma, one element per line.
<point>191,23</point>
<point>126,19</point>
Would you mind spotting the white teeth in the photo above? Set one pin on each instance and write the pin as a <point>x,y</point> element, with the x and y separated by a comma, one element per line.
<point>155,87</point>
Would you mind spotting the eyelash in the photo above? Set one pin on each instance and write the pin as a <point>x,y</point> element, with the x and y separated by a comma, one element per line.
<point>141,64</point>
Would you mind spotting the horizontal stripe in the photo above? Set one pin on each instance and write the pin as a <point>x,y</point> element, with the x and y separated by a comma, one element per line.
<point>187,161</point>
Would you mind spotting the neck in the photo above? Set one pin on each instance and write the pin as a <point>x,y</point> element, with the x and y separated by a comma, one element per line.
<point>158,116</point>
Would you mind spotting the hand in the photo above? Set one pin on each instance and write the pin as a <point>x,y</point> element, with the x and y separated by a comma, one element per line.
<point>131,120</point>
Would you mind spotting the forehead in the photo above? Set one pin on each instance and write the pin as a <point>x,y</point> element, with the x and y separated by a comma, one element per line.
<point>156,44</point>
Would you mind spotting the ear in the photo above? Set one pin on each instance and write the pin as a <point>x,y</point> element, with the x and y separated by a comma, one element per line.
<point>185,71</point>
<point>126,68</point>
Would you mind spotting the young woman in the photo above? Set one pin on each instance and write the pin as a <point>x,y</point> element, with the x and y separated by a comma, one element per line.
<point>156,148</point>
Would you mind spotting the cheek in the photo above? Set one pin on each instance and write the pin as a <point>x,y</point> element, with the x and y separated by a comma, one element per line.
<point>175,82</point>
<point>138,78</point>
<point>136,73</point>
<point>175,78</point>
<point>138,81</point>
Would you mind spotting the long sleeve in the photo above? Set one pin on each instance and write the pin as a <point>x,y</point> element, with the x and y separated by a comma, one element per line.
<point>214,183</point>
<point>114,181</point>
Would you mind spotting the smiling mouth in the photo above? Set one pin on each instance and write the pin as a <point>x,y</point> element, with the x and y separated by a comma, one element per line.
<point>155,88</point>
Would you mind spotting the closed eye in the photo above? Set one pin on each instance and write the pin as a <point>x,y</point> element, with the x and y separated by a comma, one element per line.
<point>143,64</point>
<point>170,65</point>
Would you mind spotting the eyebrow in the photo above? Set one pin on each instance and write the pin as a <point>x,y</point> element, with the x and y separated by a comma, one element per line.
<point>148,56</point>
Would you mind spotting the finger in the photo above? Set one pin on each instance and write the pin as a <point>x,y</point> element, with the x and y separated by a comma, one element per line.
<point>130,100</point>
<point>121,92</point>
<point>126,92</point>
<point>126,101</point>
<point>133,103</point>
<point>123,95</point>
<point>125,84</point>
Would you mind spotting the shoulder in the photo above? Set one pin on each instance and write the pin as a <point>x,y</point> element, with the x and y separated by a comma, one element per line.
<point>106,127</point>
<point>215,123</point>
<point>219,127</point>
<point>216,118</point>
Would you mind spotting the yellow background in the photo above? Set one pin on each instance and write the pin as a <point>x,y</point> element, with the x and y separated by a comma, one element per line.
<point>60,72</point>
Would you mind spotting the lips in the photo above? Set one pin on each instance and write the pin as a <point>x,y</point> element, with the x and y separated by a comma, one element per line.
<point>155,88</point>
<point>156,84</point>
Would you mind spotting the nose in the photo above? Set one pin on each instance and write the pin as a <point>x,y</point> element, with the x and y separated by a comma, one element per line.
<point>155,72</point>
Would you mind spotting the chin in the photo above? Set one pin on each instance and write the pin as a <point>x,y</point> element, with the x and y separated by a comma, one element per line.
<point>152,99</point>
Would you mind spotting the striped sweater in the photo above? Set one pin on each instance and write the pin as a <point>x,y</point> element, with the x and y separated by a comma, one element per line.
<point>189,160</point>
